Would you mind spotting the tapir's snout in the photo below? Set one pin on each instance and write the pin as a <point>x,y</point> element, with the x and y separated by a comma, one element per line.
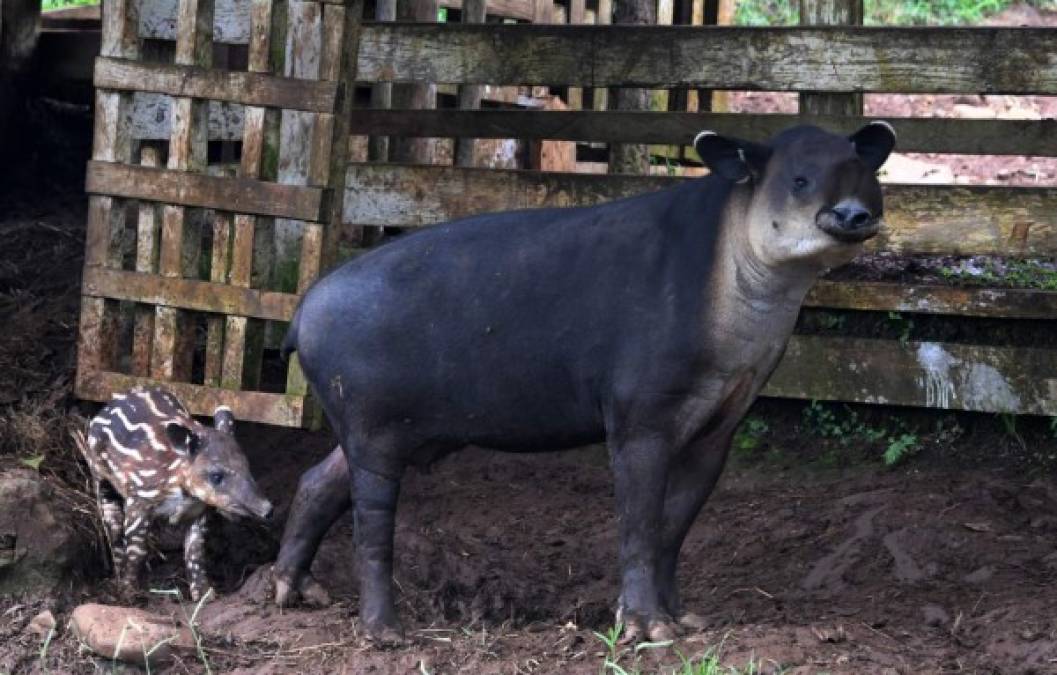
<point>848,221</point>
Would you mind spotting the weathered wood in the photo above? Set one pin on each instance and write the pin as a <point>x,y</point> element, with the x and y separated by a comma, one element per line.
<point>308,270</point>
<point>248,406</point>
<point>838,59</point>
<point>220,85</point>
<point>959,220</point>
<point>422,94</point>
<point>218,272</point>
<point>146,263</point>
<point>924,374</point>
<point>381,92</point>
<point>831,13</point>
<point>242,195</point>
<point>628,158</point>
<point>191,294</point>
<point>506,9</point>
<point>151,118</point>
<point>954,300</point>
<point>469,94</point>
<point>963,136</point>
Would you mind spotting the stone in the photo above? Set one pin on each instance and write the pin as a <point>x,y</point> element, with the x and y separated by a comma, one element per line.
<point>101,627</point>
<point>935,615</point>
<point>42,624</point>
<point>40,548</point>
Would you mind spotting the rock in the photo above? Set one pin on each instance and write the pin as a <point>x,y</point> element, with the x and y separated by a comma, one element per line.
<point>42,624</point>
<point>40,548</point>
<point>101,627</point>
<point>979,576</point>
<point>935,615</point>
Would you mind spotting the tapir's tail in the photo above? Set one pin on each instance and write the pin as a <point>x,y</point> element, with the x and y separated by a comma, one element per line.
<point>289,345</point>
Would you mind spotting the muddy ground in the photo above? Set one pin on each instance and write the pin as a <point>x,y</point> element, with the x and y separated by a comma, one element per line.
<point>811,557</point>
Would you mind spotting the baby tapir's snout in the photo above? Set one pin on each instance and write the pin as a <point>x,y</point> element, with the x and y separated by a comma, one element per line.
<point>150,459</point>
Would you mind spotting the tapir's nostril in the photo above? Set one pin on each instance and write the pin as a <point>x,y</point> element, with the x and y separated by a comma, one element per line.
<point>852,217</point>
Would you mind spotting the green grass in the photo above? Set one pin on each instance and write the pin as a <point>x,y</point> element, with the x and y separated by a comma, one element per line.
<point>884,12</point>
<point>1012,274</point>
<point>621,660</point>
<point>49,5</point>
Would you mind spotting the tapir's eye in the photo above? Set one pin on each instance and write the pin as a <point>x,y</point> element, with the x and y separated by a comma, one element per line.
<point>215,478</point>
<point>800,183</point>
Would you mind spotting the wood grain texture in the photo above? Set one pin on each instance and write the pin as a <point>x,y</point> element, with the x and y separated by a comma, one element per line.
<point>220,85</point>
<point>922,374</point>
<point>831,13</point>
<point>242,195</point>
<point>919,219</point>
<point>1008,303</point>
<point>963,136</point>
<point>834,59</point>
<point>248,406</point>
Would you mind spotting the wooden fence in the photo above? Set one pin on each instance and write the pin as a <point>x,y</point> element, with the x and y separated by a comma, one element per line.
<point>296,107</point>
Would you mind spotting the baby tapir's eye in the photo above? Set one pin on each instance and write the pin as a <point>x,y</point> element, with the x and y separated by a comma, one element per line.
<point>215,478</point>
<point>800,183</point>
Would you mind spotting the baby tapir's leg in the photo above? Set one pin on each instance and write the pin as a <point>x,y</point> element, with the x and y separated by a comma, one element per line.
<point>113,521</point>
<point>195,557</point>
<point>137,521</point>
<point>322,496</point>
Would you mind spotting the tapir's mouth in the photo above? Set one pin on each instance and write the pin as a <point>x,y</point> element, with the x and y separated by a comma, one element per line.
<point>850,234</point>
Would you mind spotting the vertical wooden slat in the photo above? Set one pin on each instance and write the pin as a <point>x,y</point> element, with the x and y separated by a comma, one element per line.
<point>420,96</point>
<point>146,262</point>
<point>473,11</point>
<point>381,92</point>
<point>311,253</point>
<point>218,272</point>
<point>603,17</point>
<point>827,13</point>
<point>575,95</point>
<point>111,142</point>
<point>724,17</point>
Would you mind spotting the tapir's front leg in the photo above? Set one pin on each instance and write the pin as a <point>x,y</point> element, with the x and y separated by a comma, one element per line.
<point>322,497</point>
<point>113,515</point>
<point>640,473</point>
<point>137,520</point>
<point>195,557</point>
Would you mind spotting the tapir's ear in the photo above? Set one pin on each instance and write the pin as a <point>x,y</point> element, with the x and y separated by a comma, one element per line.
<point>732,158</point>
<point>223,420</point>
<point>183,439</point>
<point>874,142</point>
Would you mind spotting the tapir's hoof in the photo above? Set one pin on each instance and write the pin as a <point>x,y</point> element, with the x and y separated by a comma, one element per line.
<point>656,630</point>
<point>307,591</point>
<point>387,636</point>
<point>693,622</point>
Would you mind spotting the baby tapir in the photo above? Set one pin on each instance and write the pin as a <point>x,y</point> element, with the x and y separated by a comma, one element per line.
<point>150,459</point>
<point>650,323</point>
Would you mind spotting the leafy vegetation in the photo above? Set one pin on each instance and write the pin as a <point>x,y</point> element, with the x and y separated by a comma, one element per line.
<point>749,434</point>
<point>49,5</point>
<point>1035,274</point>
<point>844,426</point>
<point>615,660</point>
<point>884,12</point>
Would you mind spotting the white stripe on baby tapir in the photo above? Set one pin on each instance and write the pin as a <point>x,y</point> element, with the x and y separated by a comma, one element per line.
<point>147,429</point>
<point>175,464</point>
<point>148,494</point>
<point>147,473</point>
<point>101,421</point>
<point>151,404</point>
<point>136,523</point>
<point>135,479</point>
<point>129,452</point>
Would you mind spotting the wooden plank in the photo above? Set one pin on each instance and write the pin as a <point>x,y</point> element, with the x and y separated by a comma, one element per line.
<point>1008,303</point>
<point>962,136</point>
<point>151,118</point>
<point>422,94</point>
<point>923,374</point>
<point>838,59</point>
<point>381,92</point>
<point>506,9</point>
<point>831,13</point>
<point>242,195</point>
<point>218,272</point>
<point>308,270</point>
<point>469,94</point>
<point>146,263</point>
<point>248,406</point>
<point>191,294</point>
<point>220,85</point>
<point>957,220</point>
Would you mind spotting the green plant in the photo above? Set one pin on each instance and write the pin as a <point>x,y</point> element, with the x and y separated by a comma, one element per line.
<point>831,320</point>
<point>1009,425</point>
<point>614,652</point>
<point>49,5</point>
<point>192,623</point>
<point>903,325</point>
<point>44,650</point>
<point>749,433</point>
<point>1053,427</point>
<point>899,448</point>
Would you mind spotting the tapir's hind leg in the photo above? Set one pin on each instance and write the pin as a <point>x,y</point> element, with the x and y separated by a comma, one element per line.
<point>322,497</point>
<point>374,499</point>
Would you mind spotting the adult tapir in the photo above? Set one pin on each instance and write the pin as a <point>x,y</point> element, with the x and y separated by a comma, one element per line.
<point>650,323</point>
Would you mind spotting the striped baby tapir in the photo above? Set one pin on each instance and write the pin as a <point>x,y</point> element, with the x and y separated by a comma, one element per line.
<point>150,460</point>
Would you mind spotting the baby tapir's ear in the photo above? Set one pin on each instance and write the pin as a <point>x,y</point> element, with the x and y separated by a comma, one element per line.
<point>223,420</point>
<point>874,142</point>
<point>183,439</point>
<point>732,158</point>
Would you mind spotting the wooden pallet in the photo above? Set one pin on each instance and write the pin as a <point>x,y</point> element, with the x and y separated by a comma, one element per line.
<point>157,306</point>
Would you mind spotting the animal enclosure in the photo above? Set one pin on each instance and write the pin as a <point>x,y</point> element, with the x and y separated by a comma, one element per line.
<point>221,188</point>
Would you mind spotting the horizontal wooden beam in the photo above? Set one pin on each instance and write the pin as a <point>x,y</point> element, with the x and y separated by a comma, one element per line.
<point>249,406</point>
<point>839,59</point>
<point>1007,303</point>
<point>919,218</point>
<point>963,136</point>
<point>231,18</point>
<point>193,294</point>
<point>256,89</point>
<point>237,195</point>
<point>923,374</point>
